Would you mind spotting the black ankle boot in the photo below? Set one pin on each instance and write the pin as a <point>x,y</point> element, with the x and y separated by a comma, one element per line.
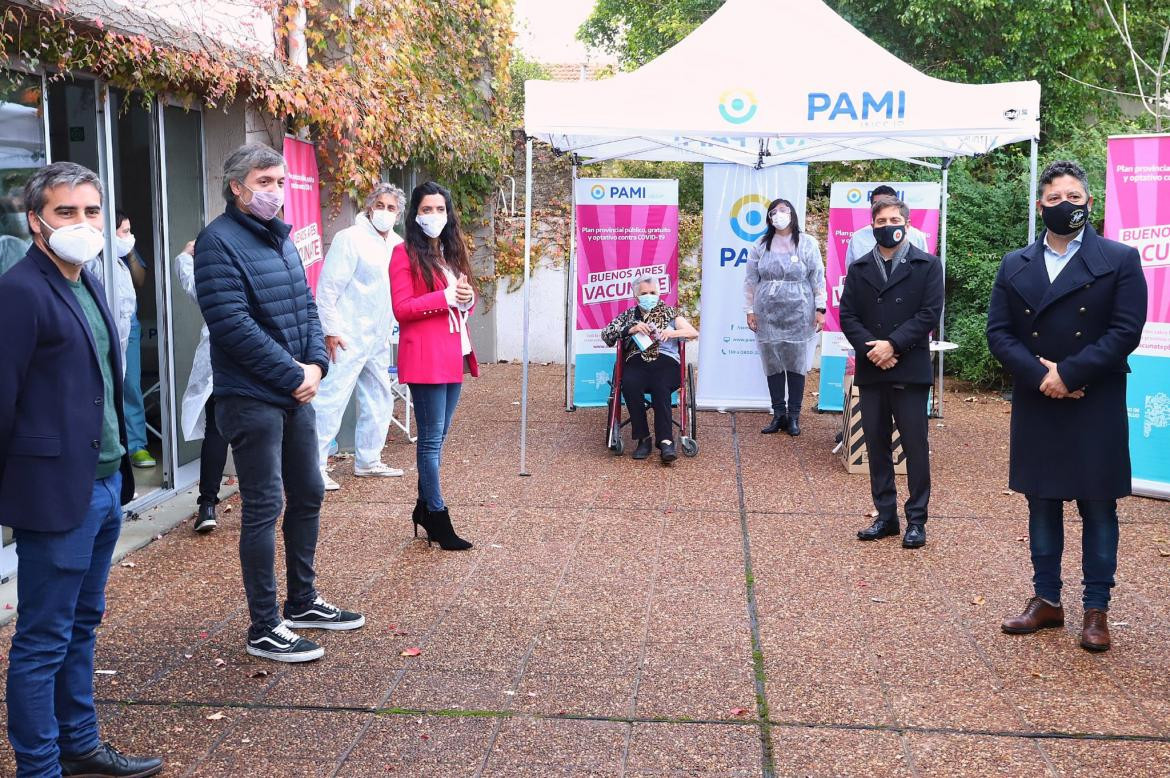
<point>438,528</point>
<point>420,513</point>
<point>645,446</point>
<point>779,422</point>
<point>794,425</point>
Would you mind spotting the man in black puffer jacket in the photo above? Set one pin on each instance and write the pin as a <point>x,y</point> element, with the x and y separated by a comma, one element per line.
<point>267,358</point>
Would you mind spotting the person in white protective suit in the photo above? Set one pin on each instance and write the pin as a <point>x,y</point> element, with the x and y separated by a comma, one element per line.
<point>125,302</point>
<point>198,409</point>
<point>353,301</point>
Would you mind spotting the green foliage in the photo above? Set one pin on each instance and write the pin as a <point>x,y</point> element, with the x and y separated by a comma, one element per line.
<point>637,31</point>
<point>521,69</point>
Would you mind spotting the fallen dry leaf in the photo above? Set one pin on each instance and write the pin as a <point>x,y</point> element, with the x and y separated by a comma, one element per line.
<point>216,716</point>
<point>219,662</point>
<point>1008,492</point>
<point>1041,676</point>
<point>978,600</point>
<point>1022,538</point>
<point>1161,552</point>
<point>260,674</point>
<point>128,564</point>
<point>412,651</point>
<point>878,599</point>
<point>739,711</point>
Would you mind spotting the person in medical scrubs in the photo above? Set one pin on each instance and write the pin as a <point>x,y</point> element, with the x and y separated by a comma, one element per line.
<point>784,299</point>
<point>353,301</point>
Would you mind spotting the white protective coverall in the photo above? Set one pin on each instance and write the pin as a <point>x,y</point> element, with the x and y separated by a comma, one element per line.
<point>125,300</point>
<point>353,302</point>
<point>199,383</point>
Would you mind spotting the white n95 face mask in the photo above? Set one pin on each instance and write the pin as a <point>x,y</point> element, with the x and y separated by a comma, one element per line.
<point>75,243</point>
<point>432,223</point>
<point>123,245</point>
<point>383,221</point>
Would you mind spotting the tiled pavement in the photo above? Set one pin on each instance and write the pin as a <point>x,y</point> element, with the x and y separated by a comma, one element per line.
<point>617,618</point>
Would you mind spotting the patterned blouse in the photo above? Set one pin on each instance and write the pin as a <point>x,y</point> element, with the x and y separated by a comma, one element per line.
<point>661,316</point>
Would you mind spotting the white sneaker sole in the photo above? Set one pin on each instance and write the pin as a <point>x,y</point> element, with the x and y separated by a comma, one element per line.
<point>332,486</point>
<point>339,626</point>
<point>391,473</point>
<point>206,527</point>
<point>276,656</point>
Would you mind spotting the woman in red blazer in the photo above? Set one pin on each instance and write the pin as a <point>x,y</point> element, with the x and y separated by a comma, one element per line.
<point>432,296</point>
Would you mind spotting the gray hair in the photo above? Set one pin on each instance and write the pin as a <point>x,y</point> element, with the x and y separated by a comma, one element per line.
<point>1063,167</point>
<point>882,202</point>
<point>646,278</point>
<point>52,176</point>
<point>245,159</point>
<point>384,188</point>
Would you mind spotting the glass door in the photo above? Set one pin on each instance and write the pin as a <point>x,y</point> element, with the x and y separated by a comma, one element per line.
<point>22,151</point>
<point>185,211</point>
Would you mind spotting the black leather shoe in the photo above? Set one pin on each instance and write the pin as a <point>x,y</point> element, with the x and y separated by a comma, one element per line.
<point>881,528</point>
<point>779,422</point>
<point>668,452</point>
<point>915,536</point>
<point>205,521</point>
<point>645,446</point>
<point>793,426</point>
<point>106,762</point>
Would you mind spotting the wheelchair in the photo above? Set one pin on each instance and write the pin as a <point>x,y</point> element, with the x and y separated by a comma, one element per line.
<point>687,421</point>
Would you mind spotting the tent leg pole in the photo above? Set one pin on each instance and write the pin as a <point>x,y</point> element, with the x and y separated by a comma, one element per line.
<point>527,301</point>
<point>1032,200</point>
<point>942,256</point>
<point>571,296</point>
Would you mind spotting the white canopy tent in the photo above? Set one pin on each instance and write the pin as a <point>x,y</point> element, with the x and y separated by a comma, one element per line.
<point>821,92</point>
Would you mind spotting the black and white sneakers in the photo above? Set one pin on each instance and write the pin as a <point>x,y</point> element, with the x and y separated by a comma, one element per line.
<point>322,615</point>
<point>281,644</point>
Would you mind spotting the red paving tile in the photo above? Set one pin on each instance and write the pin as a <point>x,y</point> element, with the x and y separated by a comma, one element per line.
<point>600,626</point>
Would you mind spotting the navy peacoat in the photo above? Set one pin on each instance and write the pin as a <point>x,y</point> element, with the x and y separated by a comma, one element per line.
<point>903,310</point>
<point>51,397</point>
<point>1087,321</point>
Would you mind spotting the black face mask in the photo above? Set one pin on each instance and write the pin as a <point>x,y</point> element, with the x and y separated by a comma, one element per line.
<point>1064,218</point>
<point>890,235</point>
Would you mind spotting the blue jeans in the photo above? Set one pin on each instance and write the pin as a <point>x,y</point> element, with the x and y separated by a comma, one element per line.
<point>275,451</point>
<point>1098,548</point>
<point>61,591</point>
<point>434,405</point>
<point>132,391</point>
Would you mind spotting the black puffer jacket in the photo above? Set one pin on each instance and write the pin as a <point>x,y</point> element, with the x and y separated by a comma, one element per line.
<point>256,301</point>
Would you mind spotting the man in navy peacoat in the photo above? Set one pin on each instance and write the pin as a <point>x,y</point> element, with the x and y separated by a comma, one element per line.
<point>1065,313</point>
<point>892,301</point>
<point>64,476</point>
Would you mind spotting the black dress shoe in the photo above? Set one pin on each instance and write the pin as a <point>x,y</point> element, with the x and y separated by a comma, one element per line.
<point>106,762</point>
<point>881,528</point>
<point>668,452</point>
<point>779,422</point>
<point>793,426</point>
<point>915,536</point>
<point>645,446</point>
<point>205,521</point>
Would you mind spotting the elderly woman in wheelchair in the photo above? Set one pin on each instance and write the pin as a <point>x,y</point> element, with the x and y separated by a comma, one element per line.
<point>651,361</point>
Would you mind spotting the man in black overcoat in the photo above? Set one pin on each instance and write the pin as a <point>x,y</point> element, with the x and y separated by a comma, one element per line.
<point>1065,314</point>
<point>891,302</point>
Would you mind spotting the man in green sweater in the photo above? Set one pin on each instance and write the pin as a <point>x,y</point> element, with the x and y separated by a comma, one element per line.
<point>64,477</point>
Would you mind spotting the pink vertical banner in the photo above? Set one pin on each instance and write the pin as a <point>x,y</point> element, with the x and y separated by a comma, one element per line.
<point>849,212</point>
<point>1137,213</point>
<point>302,204</point>
<point>626,228</point>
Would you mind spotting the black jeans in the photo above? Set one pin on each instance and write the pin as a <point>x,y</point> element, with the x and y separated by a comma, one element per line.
<point>795,382</point>
<point>906,404</point>
<point>212,457</point>
<point>659,378</point>
<point>275,451</point>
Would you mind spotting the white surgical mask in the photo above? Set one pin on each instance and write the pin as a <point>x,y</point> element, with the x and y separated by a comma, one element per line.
<point>383,221</point>
<point>123,245</point>
<point>781,220</point>
<point>432,223</point>
<point>265,205</point>
<point>75,243</point>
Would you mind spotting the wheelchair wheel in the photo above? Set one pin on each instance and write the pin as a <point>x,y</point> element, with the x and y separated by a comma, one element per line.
<point>613,427</point>
<point>692,416</point>
<point>616,445</point>
<point>690,446</point>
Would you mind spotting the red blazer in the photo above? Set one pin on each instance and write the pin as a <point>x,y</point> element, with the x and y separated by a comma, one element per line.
<point>428,352</point>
